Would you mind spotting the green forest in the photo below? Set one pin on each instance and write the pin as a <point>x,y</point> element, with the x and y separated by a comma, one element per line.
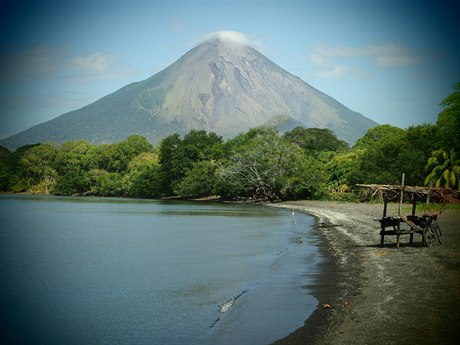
<point>261,164</point>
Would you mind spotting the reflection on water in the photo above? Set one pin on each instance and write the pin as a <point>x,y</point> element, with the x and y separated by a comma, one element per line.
<point>117,271</point>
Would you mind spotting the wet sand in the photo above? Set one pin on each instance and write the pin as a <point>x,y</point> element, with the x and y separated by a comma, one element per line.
<point>372,294</point>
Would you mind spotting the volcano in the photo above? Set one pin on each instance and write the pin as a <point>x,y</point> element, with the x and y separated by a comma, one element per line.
<point>221,85</point>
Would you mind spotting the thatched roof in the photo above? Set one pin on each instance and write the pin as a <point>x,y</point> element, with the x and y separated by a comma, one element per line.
<point>413,193</point>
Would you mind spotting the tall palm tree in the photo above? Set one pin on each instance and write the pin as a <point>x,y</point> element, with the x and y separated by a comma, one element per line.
<point>444,168</point>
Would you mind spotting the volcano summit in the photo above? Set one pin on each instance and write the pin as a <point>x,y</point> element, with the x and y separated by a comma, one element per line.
<point>222,85</point>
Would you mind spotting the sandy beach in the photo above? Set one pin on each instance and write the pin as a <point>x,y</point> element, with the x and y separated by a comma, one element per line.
<point>373,294</point>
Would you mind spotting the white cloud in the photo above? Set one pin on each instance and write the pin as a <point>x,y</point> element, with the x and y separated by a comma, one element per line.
<point>386,55</point>
<point>319,60</point>
<point>96,66</point>
<point>33,63</point>
<point>97,62</point>
<point>397,60</point>
<point>176,24</point>
<point>234,37</point>
<point>44,62</point>
<point>336,72</point>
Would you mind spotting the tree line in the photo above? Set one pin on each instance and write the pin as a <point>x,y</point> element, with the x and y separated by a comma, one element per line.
<point>260,164</point>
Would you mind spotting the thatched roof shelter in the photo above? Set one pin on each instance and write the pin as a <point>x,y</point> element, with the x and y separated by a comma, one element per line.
<point>412,193</point>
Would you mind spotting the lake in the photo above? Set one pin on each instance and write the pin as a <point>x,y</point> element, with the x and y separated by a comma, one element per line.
<point>123,271</point>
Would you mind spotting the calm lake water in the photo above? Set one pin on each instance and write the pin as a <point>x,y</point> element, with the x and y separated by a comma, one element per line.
<point>117,271</point>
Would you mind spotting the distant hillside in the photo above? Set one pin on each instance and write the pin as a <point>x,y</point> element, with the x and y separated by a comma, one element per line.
<point>220,86</point>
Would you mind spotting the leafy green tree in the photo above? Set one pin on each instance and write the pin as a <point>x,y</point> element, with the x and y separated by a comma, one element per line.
<point>449,121</point>
<point>444,169</point>
<point>316,140</point>
<point>386,153</point>
<point>198,145</point>
<point>148,184</point>
<point>7,169</point>
<point>381,157</point>
<point>126,150</point>
<point>19,182</point>
<point>106,183</point>
<point>307,179</point>
<point>341,169</point>
<point>419,142</point>
<point>37,165</point>
<point>72,166</point>
<point>143,162</point>
<point>116,157</point>
<point>199,180</point>
<point>171,162</point>
<point>243,139</point>
<point>177,155</point>
<point>262,165</point>
<point>72,157</point>
<point>381,133</point>
<point>140,177</point>
<point>73,183</point>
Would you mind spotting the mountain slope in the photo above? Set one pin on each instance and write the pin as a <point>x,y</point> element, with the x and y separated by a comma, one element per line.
<point>219,86</point>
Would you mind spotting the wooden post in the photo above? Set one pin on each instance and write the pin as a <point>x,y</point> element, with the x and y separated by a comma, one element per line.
<point>402,194</point>
<point>428,199</point>
<point>399,209</point>
<point>382,227</point>
<point>414,206</point>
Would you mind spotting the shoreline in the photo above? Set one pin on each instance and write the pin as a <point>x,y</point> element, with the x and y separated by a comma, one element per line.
<point>380,294</point>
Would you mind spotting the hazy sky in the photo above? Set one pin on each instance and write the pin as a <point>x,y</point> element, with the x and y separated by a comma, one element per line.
<point>392,61</point>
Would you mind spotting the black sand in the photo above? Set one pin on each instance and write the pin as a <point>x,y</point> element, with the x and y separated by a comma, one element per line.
<point>372,294</point>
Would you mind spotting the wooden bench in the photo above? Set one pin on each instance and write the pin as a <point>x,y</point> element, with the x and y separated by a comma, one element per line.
<point>395,223</point>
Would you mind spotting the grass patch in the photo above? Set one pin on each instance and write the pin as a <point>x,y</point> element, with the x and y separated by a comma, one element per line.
<point>431,208</point>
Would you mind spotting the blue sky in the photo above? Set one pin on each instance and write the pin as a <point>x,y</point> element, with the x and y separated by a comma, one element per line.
<point>392,61</point>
